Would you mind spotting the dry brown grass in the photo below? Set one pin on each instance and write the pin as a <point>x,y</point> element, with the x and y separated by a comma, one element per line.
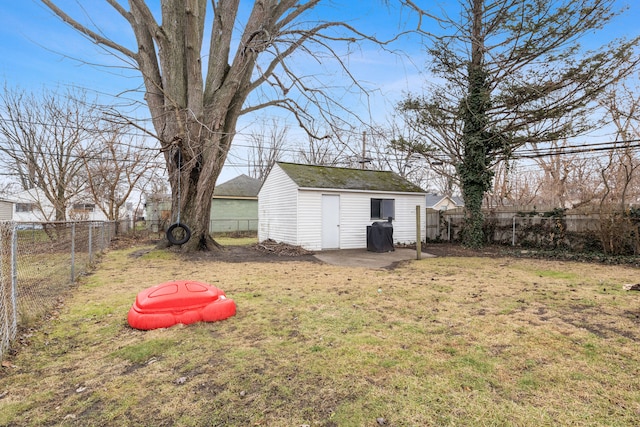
<point>442,341</point>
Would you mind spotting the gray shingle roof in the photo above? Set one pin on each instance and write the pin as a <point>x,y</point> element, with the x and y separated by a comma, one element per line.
<point>309,176</point>
<point>240,186</point>
<point>433,199</point>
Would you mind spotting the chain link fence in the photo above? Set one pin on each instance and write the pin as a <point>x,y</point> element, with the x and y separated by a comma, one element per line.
<point>38,263</point>
<point>224,225</point>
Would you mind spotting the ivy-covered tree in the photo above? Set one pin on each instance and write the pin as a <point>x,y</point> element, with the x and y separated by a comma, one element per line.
<point>509,73</point>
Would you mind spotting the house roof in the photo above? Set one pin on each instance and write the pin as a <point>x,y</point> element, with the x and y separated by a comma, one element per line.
<point>310,176</point>
<point>27,196</point>
<point>434,199</point>
<point>240,186</point>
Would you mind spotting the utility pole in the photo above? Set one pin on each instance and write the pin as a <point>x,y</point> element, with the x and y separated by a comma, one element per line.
<point>364,149</point>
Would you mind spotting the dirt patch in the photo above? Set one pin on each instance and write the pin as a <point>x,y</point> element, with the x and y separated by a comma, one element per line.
<point>264,252</point>
<point>271,251</point>
<point>130,240</point>
<point>457,250</point>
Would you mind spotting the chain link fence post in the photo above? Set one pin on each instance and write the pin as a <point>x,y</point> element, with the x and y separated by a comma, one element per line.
<point>8,289</point>
<point>73,251</point>
<point>14,280</point>
<point>4,289</point>
<point>90,243</point>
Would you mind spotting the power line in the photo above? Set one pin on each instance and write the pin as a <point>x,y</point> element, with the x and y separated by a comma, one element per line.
<point>632,144</point>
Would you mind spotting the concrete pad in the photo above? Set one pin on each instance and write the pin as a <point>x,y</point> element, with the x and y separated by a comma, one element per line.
<point>365,258</point>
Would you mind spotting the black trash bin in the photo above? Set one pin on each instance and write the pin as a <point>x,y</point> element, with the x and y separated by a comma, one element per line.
<point>380,236</point>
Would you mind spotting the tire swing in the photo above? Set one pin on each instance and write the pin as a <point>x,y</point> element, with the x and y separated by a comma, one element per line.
<point>178,233</point>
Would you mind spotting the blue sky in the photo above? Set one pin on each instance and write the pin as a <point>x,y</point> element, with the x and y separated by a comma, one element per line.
<point>33,45</point>
<point>38,51</point>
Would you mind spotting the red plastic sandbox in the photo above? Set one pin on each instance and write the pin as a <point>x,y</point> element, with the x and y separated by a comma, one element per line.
<point>180,301</point>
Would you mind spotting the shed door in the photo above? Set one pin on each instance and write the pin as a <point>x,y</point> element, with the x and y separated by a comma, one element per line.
<point>330,221</point>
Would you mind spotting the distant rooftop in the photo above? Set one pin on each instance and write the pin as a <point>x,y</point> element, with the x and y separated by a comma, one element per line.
<point>240,186</point>
<point>433,199</point>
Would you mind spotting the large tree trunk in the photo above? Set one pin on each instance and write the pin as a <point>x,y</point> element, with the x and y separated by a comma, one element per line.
<point>194,205</point>
<point>196,122</point>
<point>195,158</point>
<point>193,180</point>
<point>193,170</point>
<point>194,106</point>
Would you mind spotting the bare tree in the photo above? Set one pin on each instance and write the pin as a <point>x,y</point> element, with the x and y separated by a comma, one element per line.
<point>510,72</point>
<point>619,177</point>
<point>115,166</point>
<point>331,149</point>
<point>195,104</point>
<point>618,230</point>
<point>267,147</point>
<point>569,179</point>
<point>619,173</point>
<point>523,185</point>
<point>622,105</point>
<point>500,193</point>
<point>386,154</point>
<point>44,137</point>
<point>7,188</point>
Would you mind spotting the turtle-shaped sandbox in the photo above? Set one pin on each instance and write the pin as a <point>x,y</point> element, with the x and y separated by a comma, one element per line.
<point>180,301</point>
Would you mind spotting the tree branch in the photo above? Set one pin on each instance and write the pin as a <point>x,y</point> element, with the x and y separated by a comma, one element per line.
<point>92,35</point>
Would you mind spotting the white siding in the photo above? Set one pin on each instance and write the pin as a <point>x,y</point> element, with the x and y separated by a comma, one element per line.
<point>355,216</point>
<point>292,215</point>
<point>6,210</point>
<point>277,208</point>
<point>310,219</point>
<point>44,210</point>
<point>404,226</point>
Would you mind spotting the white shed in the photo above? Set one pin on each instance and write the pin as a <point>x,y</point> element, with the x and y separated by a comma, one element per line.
<point>321,207</point>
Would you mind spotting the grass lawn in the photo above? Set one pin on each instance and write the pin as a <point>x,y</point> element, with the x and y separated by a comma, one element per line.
<point>437,342</point>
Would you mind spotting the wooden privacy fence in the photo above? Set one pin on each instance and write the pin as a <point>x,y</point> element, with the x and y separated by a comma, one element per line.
<point>577,231</point>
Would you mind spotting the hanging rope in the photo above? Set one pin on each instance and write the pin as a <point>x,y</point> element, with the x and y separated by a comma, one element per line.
<point>178,233</point>
<point>179,184</point>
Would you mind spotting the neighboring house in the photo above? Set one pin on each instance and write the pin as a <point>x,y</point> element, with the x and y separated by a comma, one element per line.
<point>320,207</point>
<point>25,206</point>
<point>157,212</point>
<point>6,210</point>
<point>234,206</point>
<point>441,202</point>
<point>31,206</point>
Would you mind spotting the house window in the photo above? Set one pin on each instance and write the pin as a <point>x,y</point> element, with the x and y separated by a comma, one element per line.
<point>84,207</point>
<point>383,208</point>
<point>25,207</point>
